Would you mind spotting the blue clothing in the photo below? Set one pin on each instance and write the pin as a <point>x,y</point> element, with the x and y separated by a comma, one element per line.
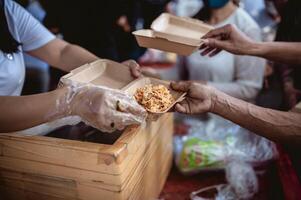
<point>32,34</point>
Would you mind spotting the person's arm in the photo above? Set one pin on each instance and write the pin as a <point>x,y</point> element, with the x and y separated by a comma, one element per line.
<point>275,125</point>
<point>283,127</point>
<point>231,39</point>
<point>285,52</point>
<point>63,55</point>
<point>103,108</point>
<point>39,42</point>
<point>21,112</point>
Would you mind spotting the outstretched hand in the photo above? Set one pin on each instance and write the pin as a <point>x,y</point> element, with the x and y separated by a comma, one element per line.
<point>227,38</point>
<point>199,98</point>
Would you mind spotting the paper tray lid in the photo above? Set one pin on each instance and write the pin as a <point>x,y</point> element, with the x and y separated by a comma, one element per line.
<point>180,29</point>
<point>102,72</point>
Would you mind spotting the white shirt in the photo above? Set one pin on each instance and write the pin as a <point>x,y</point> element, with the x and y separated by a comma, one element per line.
<point>238,76</point>
<point>27,30</point>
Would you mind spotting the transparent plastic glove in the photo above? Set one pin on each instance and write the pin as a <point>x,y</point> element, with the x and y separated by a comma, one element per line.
<point>101,107</point>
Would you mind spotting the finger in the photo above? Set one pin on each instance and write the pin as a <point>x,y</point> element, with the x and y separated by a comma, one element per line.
<point>224,30</point>
<point>207,51</point>
<point>203,46</point>
<point>126,119</point>
<point>181,108</point>
<point>182,86</point>
<point>134,67</point>
<point>136,110</point>
<point>215,52</point>
<point>218,44</point>
<point>131,106</point>
<point>136,71</point>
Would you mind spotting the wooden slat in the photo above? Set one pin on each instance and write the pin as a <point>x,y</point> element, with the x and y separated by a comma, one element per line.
<point>91,156</point>
<point>105,181</point>
<point>11,193</point>
<point>148,185</point>
<point>148,181</point>
<point>151,186</point>
<point>153,179</point>
<point>158,164</point>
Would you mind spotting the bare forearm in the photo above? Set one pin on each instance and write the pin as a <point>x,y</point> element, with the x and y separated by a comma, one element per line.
<point>23,112</point>
<point>275,125</point>
<point>73,56</point>
<point>63,55</point>
<point>277,51</point>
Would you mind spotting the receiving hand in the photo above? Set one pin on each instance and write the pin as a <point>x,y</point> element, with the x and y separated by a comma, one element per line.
<point>199,98</point>
<point>227,38</point>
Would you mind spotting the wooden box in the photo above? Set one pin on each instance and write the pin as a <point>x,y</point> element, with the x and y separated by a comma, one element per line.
<point>134,167</point>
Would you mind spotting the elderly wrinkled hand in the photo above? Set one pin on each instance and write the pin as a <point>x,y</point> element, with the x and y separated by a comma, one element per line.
<point>103,108</point>
<point>199,98</point>
<point>227,38</point>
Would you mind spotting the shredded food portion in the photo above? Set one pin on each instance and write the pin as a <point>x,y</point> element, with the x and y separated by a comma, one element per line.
<point>154,98</point>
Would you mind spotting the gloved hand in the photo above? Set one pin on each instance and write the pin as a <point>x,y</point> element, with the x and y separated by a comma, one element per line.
<point>103,108</point>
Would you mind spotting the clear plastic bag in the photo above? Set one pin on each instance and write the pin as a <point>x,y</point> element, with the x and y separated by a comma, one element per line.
<point>218,144</point>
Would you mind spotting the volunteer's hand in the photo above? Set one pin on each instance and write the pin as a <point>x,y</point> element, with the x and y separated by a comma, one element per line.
<point>199,98</point>
<point>227,38</point>
<point>135,68</point>
<point>103,108</point>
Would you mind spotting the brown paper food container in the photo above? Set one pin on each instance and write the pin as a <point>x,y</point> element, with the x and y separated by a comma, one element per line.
<point>181,35</point>
<point>116,76</point>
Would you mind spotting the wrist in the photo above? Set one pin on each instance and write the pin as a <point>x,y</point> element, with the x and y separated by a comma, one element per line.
<point>63,105</point>
<point>213,98</point>
<point>256,49</point>
<point>217,99</point>
<point>58,108</point>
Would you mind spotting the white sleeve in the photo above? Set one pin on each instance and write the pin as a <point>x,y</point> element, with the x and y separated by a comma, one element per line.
<point>31,32</point>
<point>249,74</point>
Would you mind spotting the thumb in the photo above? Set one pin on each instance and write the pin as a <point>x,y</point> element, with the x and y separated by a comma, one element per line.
<point>182,108</point>
<point>134,67</point>
<point>182,86</point>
